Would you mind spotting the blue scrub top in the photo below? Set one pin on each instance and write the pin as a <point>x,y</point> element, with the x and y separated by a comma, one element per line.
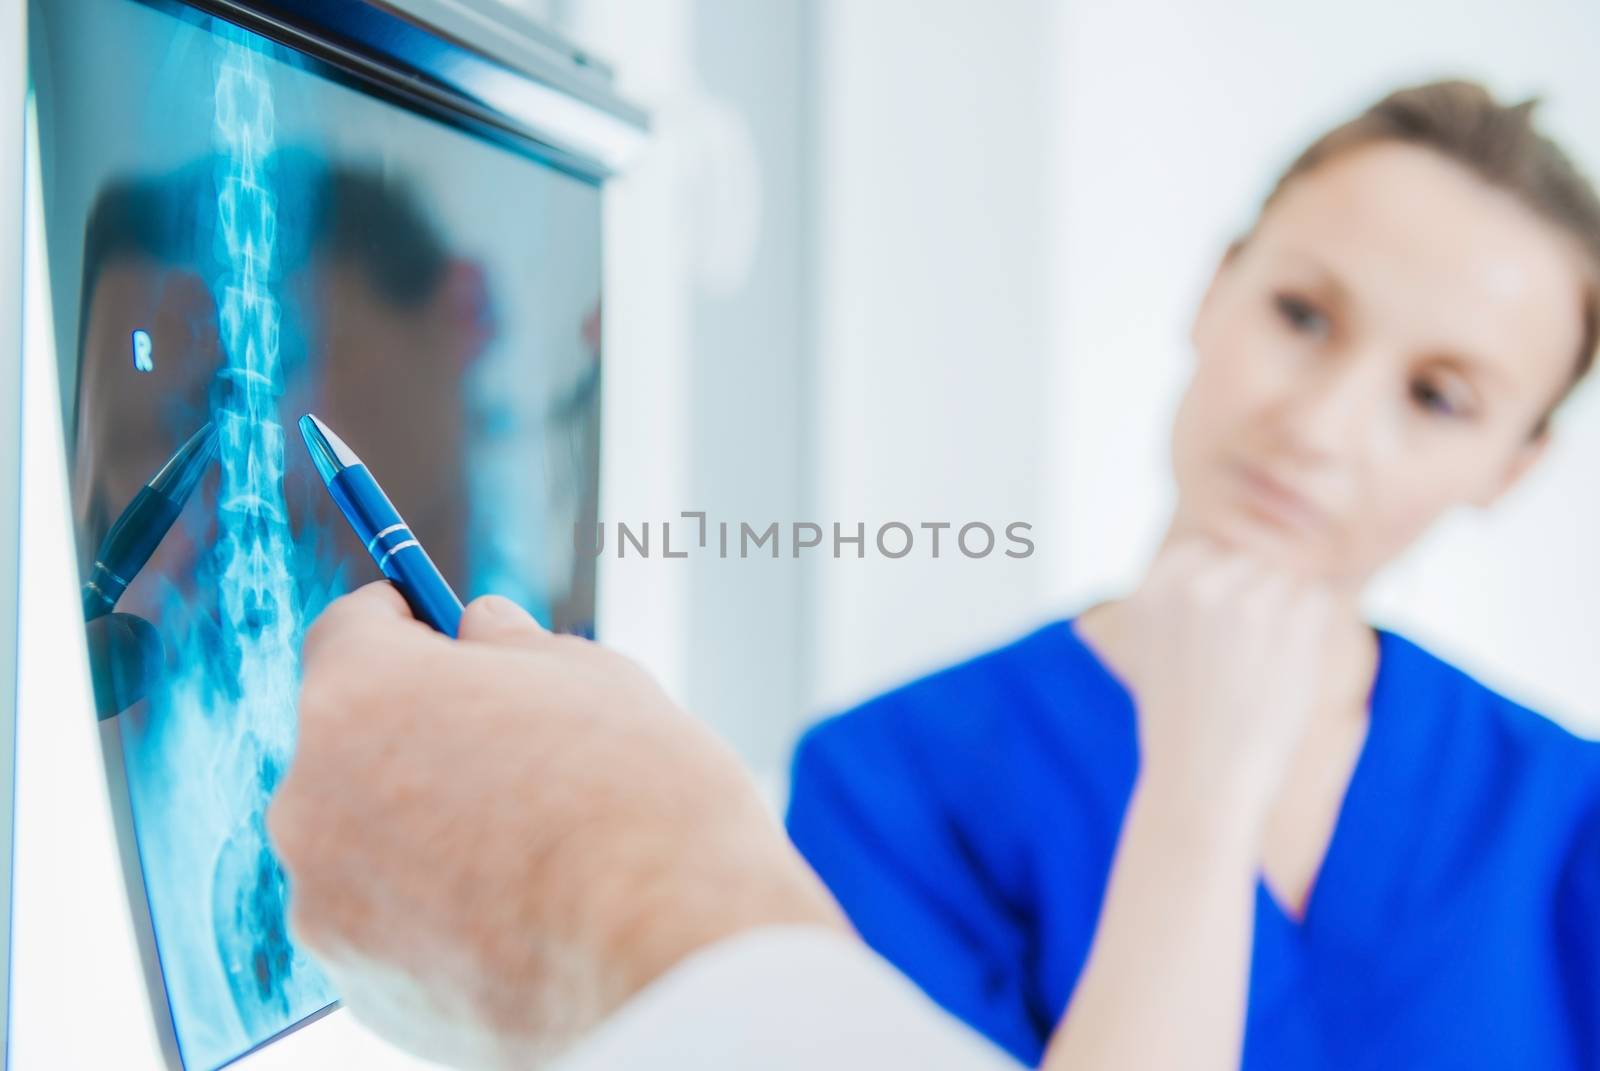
<point>966,822</point>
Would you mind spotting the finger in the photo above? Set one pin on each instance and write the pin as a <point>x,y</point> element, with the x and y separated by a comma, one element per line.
<point>281,826</point>
<point>496,620</point>
<point>1221,582</point>
<point>1183,556</point>
<point>1312,610</point>
<point>1174,564</point>
<point>379,599</point>
<point>377,607</point>
<point>1267,594</point>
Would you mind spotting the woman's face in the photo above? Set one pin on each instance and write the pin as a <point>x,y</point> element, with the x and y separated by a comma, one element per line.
<point>1378,351</point>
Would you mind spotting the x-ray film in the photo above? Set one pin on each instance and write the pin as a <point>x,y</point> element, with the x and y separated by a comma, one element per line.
<point>238,235</point>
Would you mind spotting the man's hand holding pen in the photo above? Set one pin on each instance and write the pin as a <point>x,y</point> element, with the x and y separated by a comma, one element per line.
<point>485,838</point>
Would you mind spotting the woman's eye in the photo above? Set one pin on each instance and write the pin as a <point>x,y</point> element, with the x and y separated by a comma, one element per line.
<point>1301,315</point>
<point>1434,400</point>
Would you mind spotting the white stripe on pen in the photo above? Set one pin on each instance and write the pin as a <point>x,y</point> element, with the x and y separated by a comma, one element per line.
<point>398,546</point>
<point>372,544</point>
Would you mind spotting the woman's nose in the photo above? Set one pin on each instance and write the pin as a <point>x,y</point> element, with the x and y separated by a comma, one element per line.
<point>1333,409</point>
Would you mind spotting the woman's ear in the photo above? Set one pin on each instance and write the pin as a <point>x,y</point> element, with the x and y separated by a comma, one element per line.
<point>1528,455</point>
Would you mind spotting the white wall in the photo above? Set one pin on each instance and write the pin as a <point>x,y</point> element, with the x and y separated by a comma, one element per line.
<point>934,183</point>
<point>1177,117</point>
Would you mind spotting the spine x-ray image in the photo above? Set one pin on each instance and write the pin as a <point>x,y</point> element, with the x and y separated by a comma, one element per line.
<point>236,236</point>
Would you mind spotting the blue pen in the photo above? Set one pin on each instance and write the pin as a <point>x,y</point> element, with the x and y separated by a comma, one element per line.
<point>379,525</point>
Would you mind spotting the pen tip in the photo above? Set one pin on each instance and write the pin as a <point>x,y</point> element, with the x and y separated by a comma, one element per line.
<point>207,437</point>
<point>204,440</point>
<point>328,451</point>
<point>183,470</point>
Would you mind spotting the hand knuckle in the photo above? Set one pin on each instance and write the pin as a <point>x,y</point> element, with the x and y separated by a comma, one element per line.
<point>281,829</point>
<point>303,921</point>
<point>1195,589</point>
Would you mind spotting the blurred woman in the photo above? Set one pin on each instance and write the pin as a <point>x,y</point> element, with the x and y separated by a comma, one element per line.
<point>1223,819</point>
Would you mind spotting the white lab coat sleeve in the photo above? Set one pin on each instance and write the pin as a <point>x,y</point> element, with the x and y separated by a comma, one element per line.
<point>784,998</point>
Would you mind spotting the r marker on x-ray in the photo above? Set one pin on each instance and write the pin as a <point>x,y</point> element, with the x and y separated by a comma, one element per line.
<point>142,359</point>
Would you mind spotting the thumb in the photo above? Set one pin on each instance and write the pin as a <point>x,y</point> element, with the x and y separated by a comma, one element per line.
<point>495,619</point>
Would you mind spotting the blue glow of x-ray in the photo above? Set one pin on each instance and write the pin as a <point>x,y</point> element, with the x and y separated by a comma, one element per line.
<point>222,726</point>
<point>260,621</point>
<point>142,360</point>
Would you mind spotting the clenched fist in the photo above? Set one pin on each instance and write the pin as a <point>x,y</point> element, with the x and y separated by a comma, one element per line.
<point>1229,668</point>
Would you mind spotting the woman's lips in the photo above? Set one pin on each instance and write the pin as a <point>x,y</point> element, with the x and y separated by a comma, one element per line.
<point>1276,502</point>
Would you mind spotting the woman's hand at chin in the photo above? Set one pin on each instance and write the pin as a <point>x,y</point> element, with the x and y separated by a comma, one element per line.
<point>1226,675</point>
<point>1228,656</point>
